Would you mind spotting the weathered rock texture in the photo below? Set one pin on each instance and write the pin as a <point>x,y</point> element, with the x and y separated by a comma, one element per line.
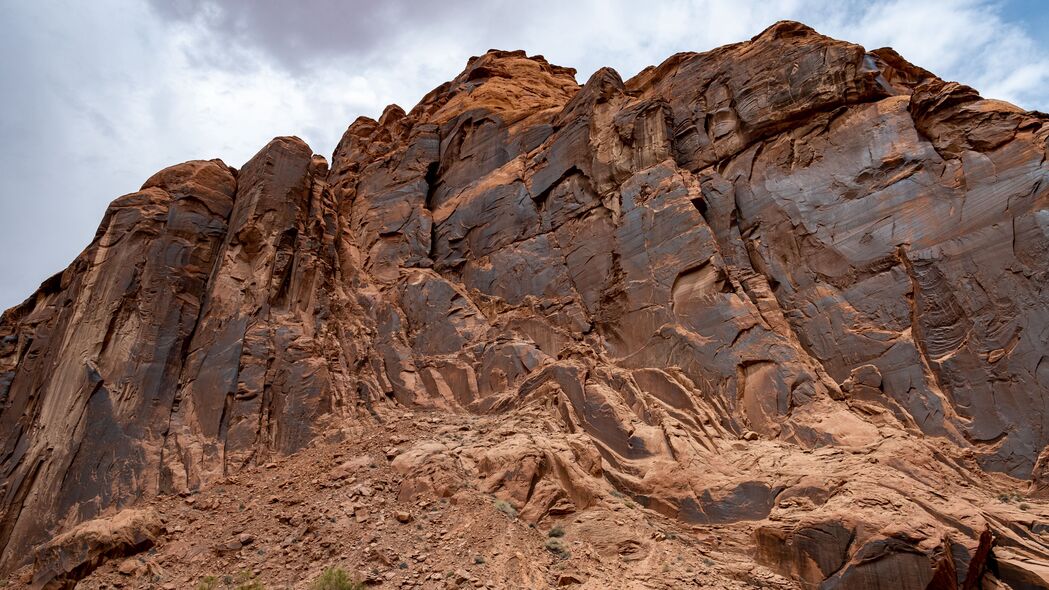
<point>70,556</point>
<point>787,282</point>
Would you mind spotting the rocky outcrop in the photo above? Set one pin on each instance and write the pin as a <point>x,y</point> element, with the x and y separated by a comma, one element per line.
<point>72,555</point>
<point>788,287</point>
<point>92,361</point>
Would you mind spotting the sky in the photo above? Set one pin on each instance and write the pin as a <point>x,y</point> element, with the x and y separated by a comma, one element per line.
<point>97,96</point>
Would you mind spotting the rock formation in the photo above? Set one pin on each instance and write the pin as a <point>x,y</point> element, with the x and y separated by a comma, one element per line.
<point>789,287</point>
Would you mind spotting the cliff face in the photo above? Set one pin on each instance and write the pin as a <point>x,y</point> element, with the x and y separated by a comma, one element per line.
<point>787,282</point>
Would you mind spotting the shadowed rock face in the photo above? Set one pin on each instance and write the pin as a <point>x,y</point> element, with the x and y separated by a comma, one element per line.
<point>788,282</point>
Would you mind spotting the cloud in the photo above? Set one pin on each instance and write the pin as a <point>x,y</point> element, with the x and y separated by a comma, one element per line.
<point>308,33</point>
<point>964,40</point>
<point>968,40</point>
<point>99,95</point>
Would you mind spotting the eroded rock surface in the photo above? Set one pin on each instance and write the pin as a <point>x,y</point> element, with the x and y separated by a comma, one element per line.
<point>788,287</point>
<point>74,554</point>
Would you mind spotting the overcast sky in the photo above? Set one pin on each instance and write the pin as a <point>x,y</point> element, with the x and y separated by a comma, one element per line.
<point>96,96</point>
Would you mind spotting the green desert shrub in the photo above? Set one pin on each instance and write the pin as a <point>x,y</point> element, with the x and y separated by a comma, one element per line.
<point>335,578</point>
<point>556,546</point>
<point>506,508</point>
<point>245,580</point>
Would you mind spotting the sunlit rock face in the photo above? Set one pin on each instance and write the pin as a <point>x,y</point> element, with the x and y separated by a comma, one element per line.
<point>787,282</point>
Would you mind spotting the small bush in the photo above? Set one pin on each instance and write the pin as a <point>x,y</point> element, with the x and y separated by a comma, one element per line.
<point>479,560</point>
<point>556,546</point>
<point>1024,506</point>
<point>557,531</point>
<point>246,581</point>
<point>335,578</point>
<point>506,508</point>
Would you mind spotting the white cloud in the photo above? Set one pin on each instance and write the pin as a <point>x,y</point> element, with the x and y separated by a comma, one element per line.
<point>100,95</point>
<point>963,40</point>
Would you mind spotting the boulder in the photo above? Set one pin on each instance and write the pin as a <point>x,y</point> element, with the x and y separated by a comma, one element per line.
<point>76,553</point>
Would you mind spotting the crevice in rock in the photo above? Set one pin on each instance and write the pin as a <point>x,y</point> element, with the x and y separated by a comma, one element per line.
<point>284,263</point>
<point>916,328</point>
<point>541,199</point>
<point>701,205</point>
<point>219,246</point>
<point>979,560</point>
<point>224,418</point>
<point>432,179</point>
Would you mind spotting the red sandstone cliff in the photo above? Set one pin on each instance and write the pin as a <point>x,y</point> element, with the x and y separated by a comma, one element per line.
<point>788,282</point>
